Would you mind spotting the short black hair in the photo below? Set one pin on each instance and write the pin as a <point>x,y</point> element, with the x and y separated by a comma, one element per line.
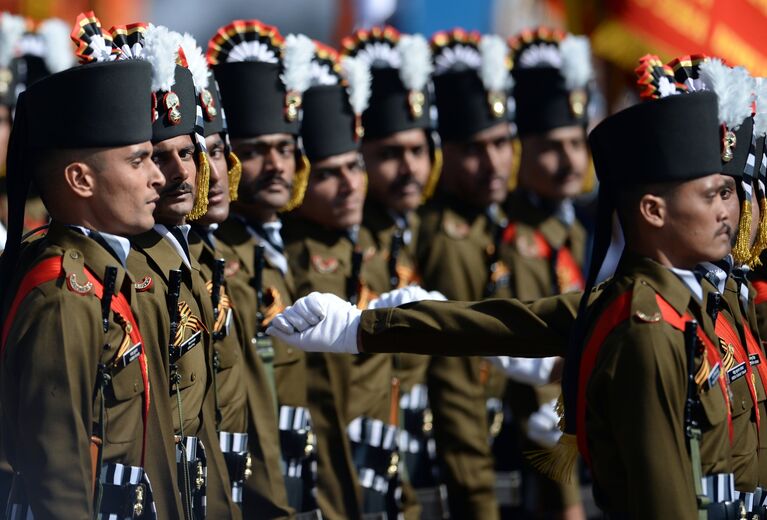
<point>627,201</point>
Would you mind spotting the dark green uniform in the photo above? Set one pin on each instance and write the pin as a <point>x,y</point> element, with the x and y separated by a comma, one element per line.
<point>150,262</point>
<point>265,490</point>
<point>455,247</point>
<point>50,368</point>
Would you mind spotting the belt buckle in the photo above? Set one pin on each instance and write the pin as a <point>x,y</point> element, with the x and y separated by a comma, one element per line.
<point>311,440</point>
<point>393,464</point>
<point>248,471</point>
<point>428,420</point>
<point>137,501</point>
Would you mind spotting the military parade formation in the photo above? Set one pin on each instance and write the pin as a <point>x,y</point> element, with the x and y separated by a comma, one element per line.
<point>264,278</point>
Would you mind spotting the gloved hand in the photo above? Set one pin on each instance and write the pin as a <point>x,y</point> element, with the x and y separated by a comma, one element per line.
<point>529,371</point>
<point>319,322</point>
<point>543,425</point>
<point>407,294</point>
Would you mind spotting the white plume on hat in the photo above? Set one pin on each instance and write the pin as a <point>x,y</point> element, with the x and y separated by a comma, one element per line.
<point>734,88</point>
<point>196,62</point>
<point>415,57</point>
<point>760,118</point>
<point>58,45</point>
<point>12,28</point>
<point>357,74</point>
<point>544,54</point>
<point>297,55</point>
<point>576,61</point>
<point>379,54</point>
<point>160,50</point>
<point>252,51</point>
<point>494,70</point>
<point>460,55</point>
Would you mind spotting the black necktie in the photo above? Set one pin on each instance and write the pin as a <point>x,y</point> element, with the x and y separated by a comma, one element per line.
<point>176,232</point>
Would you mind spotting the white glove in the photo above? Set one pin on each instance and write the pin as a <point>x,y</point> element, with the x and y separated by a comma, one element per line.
<point>319,322</point>
<point>529,371</point>
<point>543,425</point>
<point>410,293</point>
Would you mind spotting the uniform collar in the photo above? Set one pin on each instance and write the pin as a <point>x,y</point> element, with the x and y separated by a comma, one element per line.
<point>117,245</point>
<point>554,223</point>
<point>671,286</point>
<point>179,241</point>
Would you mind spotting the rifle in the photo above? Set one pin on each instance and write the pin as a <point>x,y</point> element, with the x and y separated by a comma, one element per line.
<point>353,284</point>
<point>215,295</point>
<point>691,427</point>
<point>264,347</point>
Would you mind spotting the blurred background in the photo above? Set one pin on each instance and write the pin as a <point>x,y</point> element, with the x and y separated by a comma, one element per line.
<point>620,30</point>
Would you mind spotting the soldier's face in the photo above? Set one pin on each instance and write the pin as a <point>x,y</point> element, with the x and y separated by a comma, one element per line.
<point>175,158</point>
<point>126,189</point>
<point>477,170</point>
<point>696,219</point>
<point>398,167</point>
<point>336,192</point>
<point>553,164</point>
<point>268,169</point>
<point>218,193</point>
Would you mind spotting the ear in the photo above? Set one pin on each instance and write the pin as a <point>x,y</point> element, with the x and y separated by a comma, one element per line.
<point>80,178</point>
<point>653,210</point>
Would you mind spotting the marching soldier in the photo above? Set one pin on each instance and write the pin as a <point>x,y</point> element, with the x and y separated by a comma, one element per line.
<point>229,391</point>
<point>75,386</point>
<point>543,244</point>
<point>263,125</point>
<point>647,331</point>
<point>460,228</point>
<point>175,308</point>
<point>402,161</point>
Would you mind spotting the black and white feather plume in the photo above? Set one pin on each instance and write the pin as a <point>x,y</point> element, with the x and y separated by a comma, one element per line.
<point>58,53</point>
<point>297,56</point>
<point>161,51</point>
<point>12,28</point>
<point>576,67</point>
<point>195,62</point>
<point>734,89</point>
<point>494,69</point>
<point>359,79</point>
<point>415,61</point>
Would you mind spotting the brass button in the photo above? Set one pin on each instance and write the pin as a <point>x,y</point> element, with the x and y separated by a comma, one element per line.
<point>128,328</point>
<point>290,351</point>
<point>74,255</point>
<point>135,387</point>
<point>193,376</point>
<point>253,341</point>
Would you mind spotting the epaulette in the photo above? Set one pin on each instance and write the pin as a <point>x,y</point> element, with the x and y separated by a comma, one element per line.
<point>455,226</point>
<point>73,264</point>
<point>644,304</point>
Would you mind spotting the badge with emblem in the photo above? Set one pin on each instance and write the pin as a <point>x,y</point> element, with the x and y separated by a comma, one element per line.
<point>144,285</point>
<point>456,229</point>
<point>231,268</point>
<point>527,246</point>
<point>324,265</point>
<point>293,102</point>
<point>173,106</point>
<point>208,105</point>
<point>76,286</point>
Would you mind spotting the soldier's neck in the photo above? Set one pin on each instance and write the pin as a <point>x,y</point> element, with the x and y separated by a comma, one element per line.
<point>255,213</point>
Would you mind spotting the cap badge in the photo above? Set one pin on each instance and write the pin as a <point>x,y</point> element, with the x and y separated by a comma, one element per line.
<point>173,105</point>
<point>208,103</point>
<point>155,115</point>
<point>416,100</point>
<point>293,102</point>
<point>497,102</point>
<point>729,141</point>
<point>578,100</point>
<point>359,130</point>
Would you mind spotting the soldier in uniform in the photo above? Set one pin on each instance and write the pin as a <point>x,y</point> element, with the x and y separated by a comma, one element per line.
<point>457,249</point>
<point>402,161</point>
<point>543,244</point>
<point>646,326</point>
<point>75,386</point>
<point>175,307</point>
<point>263,126</point>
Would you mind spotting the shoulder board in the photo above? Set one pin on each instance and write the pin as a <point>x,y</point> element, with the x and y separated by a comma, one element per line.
<point>644,305</point>
<point>73,264</point>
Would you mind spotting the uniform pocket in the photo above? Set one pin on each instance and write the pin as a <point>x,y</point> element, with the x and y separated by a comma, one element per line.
<point>713,405</point>
<point>124,403</point>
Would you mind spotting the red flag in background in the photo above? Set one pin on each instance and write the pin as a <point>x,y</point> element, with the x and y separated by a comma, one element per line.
<point>623,30</point>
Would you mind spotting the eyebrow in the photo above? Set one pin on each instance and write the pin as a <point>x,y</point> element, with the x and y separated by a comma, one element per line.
<point>138,154</point>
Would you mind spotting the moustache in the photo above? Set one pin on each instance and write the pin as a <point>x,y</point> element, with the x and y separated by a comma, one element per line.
<point>180,188</point>
<point>272,179</point>
<point>403,182</point>
<point>727,229</point>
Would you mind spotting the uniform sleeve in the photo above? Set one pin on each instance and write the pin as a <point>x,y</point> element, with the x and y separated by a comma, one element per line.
<point>490,327</point>
<point>49,379</point>
<point>447,265</point>
<point>645,408</point>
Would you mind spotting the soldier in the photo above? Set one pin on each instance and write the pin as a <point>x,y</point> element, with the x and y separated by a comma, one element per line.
<point>457,249</point>
<point>543,244</point>
<point>228,362</point>
<point>175,308</point>
<point>263,125</point>
<point>647,325</point>
<point>403,161</point>
<point>75,386</point>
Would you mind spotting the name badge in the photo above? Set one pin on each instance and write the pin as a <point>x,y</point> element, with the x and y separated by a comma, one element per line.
<point>713,376</point>
<point>737,372</point>
<point>129,357</point>
<point>178,351</point>
<point>754,359</point>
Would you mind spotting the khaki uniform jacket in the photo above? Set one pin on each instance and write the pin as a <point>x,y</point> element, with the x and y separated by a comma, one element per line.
<point>49,376</point>
<point>454,247</point>
<point>639,379</point>
<point>150,262</point>
<point>264,493</point>
<point>340,387</point>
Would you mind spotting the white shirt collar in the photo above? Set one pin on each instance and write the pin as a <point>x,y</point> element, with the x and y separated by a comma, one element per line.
<point>119,245</point>
<point>167,235</point>
<point>691,281</point>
